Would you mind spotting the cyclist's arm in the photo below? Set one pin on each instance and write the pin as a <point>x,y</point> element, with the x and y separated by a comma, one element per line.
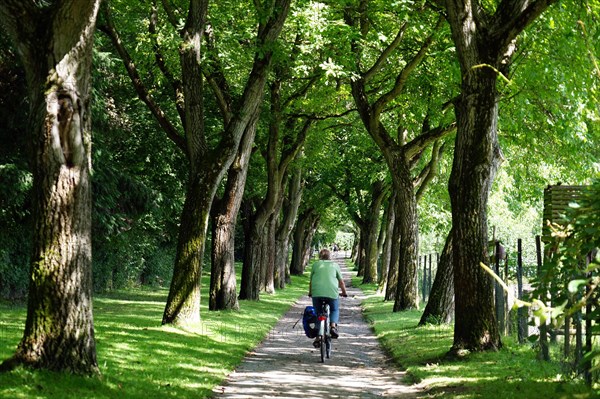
<point>343,287</point>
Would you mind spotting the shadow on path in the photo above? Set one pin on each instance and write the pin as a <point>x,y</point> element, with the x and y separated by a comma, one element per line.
<point>286,365</point>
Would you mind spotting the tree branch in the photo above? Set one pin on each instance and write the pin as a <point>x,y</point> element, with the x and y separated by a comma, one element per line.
<point>170,130</point>
<point>288,156</point>
<point>430,171</point>
<point>419,143</point>
<point>513,16</point>
<point>401,79</point>
<point>170,13</point>
<point>386,53</point>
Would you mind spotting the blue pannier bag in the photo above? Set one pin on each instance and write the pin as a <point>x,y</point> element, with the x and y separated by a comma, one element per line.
<point>310,322</point>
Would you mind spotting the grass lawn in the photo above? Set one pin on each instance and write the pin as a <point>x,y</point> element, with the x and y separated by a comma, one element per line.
<point>513,372</point>
<point>139,358</point>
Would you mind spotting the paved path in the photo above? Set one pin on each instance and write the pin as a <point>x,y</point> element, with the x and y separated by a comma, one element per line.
<point>286,365</point>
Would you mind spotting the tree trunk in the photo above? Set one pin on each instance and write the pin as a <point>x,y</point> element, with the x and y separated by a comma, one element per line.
<point>290,214</point>
<point>183,302</point>
<point>361,251</point>
<point>303,235</point>
<point>476,159</point>
<point>440,306</point>
<point>308,238</point>
<point>250,284</point>
<point>392,280</point>
<point>355,246</point>
<point>484,47</point>
<point>372,225</point>
<point>406,210</point>
<point>386,252</point>
<point>223,293</point>
<point>269,252</point>
<point>59,330</point>
<point>300,233</point>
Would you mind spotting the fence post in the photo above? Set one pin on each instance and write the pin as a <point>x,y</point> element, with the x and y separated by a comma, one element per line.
<point>578,339</point>
<point>588,335</point>
<point>522,311</point>
<point>499,294</point>
<point>543,329</point>
<point>424,286</point>
<point>429,278</point>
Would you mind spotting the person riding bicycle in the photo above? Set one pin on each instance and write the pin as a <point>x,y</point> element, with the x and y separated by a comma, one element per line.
<point>325,282</point>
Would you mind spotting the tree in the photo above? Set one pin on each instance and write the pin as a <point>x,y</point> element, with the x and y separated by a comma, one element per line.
<point>209,156</point>
<point>59,331</point>
<point>484,37</point>
<point>374,90</point>
<point>349,165</point>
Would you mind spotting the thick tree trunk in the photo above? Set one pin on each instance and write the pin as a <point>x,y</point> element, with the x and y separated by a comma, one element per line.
<point>440,306</point>
<point>406,211</point>
<point>476,159</point>
<point>484,46</point>
<point>59,330</point>
<point>223,293</point>
<point>183,302</point>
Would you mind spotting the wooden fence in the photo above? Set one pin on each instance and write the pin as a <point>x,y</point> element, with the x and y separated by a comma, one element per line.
<point>575,336</point>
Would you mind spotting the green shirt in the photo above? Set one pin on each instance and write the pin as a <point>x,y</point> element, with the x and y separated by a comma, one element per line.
<point>324,277</point>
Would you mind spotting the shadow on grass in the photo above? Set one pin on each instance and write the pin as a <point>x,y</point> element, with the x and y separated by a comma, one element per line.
<point>513,372</point>
<point>139,358</point>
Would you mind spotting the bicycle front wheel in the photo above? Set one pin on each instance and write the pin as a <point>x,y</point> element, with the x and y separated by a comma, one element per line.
<point>328,347</point>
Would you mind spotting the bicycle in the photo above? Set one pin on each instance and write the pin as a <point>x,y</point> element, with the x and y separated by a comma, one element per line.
<point>324,335</point>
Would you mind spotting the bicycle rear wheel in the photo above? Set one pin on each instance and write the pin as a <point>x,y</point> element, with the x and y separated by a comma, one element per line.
<point>328,346</point>
<point>323,348</point>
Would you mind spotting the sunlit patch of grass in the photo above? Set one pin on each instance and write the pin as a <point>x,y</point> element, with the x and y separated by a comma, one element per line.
<point>139,358</point>
<point>512,372</point>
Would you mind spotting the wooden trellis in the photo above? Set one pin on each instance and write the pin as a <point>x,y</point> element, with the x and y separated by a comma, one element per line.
<point>556,202</point>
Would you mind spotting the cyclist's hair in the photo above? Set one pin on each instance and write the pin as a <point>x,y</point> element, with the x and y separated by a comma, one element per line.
<point>324,254</point>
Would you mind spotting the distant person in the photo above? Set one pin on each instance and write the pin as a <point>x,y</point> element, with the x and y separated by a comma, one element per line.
<point>325,282</point>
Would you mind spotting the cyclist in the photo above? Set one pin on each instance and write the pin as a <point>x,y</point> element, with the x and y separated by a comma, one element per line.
<point>325,282</point>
